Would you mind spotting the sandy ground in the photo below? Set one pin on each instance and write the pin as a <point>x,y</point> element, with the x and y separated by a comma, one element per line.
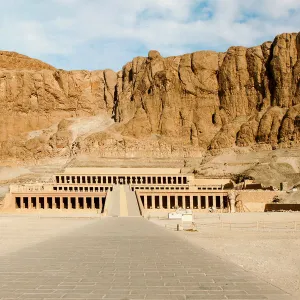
<point>18,232</point>
<point>271,252</point>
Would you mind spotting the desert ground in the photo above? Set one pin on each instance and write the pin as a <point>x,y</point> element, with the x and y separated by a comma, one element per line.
<point>271,250</point>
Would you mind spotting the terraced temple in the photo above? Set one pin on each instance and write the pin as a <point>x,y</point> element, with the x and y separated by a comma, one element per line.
<point>121,191</point>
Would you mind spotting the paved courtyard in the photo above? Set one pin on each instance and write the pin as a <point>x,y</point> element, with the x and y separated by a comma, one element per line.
<point>124,258</point>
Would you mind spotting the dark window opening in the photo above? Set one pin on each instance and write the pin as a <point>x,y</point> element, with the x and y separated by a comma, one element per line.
<point>25,202</point>
<point>49,202</point>
<point>18,202</point>
<point>41,202</point>
<point>149,201</point>
<point>97,203</point>
<point>164,201</point>
<point>57,203</point>
<point>33,202</point>
<point>180,201</point>
<point>172,201</point>
<point>143,201</point>
<point>103,204</point>
<point>65,202</point>
<point>156,200</point>
<point>187,202</point>
<point>73,203</point>
<point>88,203</point>
<point>195,202</point>
<point>80,202</point>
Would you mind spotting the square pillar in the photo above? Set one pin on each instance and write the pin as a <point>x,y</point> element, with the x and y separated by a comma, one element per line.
<point>160,202</point>
<point>206,202</point>
<point>29,203</point>
<point>176,201</point>
<point>93,202</point>
<point>199,201</point>
<point>214,201</point>
<point>84,203</point>
<point>61,202</point>
<point>183,202</point>
<point>53,202</point>
<point>22,202</point>
<point>69,203</point>
<point>145,202</point>
<point>168,202</point>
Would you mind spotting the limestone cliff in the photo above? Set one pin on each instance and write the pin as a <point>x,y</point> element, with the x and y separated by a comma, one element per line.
<point>154,107</point>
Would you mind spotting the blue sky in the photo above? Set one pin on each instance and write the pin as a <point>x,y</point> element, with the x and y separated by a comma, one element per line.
<point>101,34</point>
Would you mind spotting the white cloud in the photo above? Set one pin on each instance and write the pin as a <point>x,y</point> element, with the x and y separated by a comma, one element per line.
<point>96,34</point>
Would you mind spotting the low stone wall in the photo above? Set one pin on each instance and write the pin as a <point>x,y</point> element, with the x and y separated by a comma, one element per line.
<point>255,200</point>
<point>282,207</point>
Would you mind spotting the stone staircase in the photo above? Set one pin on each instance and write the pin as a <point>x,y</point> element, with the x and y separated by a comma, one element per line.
<point>121,202</point>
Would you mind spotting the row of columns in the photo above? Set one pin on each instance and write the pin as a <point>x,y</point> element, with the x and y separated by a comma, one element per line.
<point>81,189</point>
<point>88,179</point>
<point>149,201</point>
<point>65,202</point>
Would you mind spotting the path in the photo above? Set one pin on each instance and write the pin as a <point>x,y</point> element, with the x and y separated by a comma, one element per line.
<point>125,258</point>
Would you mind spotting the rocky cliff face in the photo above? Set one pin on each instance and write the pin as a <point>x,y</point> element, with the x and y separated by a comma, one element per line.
<point>154,107</point>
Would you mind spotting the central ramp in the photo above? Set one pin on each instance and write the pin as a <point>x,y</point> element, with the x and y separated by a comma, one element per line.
<point>122,202</point>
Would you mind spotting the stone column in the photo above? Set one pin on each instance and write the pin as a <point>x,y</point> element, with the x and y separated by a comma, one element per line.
<point>53,203</point>
<point>145,202</point>
<point>76,203</point>
<point>29,202</point>
<point>69,203</point>
<point>84,203</point>
<point>93,202</point>
<point>214,202</point>
<point>176,201</point>
<point>199,201</point>
<point>37,202</point>
<point>61,202</point>
<point>168,202</point>
<point>160,202</point>
<point>22,202</point>
<point>183,202</point>
<point>206,202</point>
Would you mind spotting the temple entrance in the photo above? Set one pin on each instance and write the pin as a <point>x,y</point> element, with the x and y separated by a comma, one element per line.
<point>121,180</point>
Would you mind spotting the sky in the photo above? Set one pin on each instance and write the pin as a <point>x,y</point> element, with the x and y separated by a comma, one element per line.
<point>106,34</point>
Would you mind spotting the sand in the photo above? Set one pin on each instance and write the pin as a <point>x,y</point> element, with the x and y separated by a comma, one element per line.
<point>270,252</point>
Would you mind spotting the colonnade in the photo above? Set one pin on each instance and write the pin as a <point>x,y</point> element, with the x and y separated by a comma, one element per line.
<point>59,202</point>
<point>123,179</point>
<point>184,200</point>
<point>85,189</point>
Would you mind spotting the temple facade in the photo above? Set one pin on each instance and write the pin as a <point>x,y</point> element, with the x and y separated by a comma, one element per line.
<point>102,189</point>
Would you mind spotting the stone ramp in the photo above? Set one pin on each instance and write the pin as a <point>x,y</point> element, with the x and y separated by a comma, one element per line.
<point>112,203</point>
<point>132,203</point>
<point>121,202</point>
<point>125,258</point>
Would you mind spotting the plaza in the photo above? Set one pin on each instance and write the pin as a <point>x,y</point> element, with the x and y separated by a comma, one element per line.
<point>116,258</point>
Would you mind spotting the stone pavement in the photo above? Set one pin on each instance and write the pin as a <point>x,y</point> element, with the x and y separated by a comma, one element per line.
<point>125,258</point>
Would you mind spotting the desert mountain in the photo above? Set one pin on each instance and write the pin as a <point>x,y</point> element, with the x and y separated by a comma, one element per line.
<point>179,106</point>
